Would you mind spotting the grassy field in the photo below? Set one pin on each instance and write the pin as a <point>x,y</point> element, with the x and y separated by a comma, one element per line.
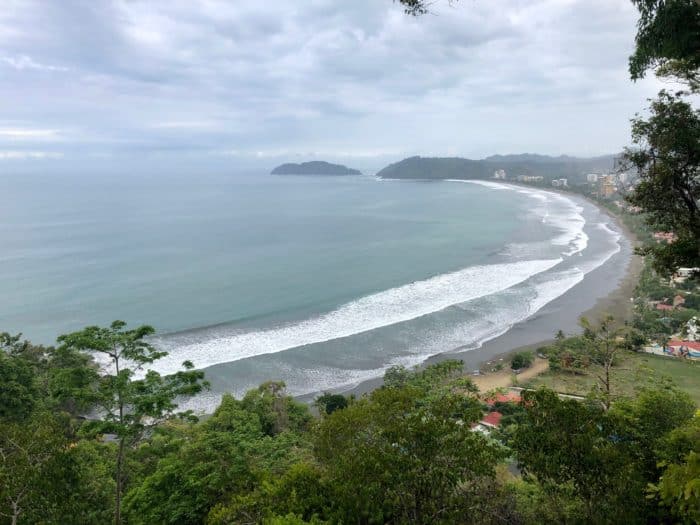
<point>634,371</point>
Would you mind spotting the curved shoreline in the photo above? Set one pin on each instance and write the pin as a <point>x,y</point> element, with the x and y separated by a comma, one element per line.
<point>562,313</point>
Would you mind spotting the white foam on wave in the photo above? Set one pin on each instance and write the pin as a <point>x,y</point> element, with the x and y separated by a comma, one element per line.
<point>566,216</point>
<point>301,382</point>
<point>367,313</point>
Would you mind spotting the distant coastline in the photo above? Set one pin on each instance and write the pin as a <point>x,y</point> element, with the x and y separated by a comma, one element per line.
<point>458,168</point>
<point>315,167</point>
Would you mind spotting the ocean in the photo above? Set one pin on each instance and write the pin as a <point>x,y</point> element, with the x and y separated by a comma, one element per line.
<point>322,282</point>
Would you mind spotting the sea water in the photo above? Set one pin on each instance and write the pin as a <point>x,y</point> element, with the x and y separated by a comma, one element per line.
<point>322,282</point>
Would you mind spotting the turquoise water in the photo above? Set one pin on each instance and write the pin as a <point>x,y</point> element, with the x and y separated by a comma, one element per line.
<point>321,282</point>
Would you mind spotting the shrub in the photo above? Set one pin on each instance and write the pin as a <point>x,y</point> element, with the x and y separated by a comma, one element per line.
<point>521,360</point>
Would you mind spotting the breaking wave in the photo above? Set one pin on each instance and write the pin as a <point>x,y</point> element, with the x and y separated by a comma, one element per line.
<point>374,311</point>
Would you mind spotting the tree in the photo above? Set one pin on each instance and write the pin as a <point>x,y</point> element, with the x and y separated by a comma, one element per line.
<point>679,488</point>
<point>276,410</point>
<point>405,454</point>
<point>678,456</point>
<point>129,406</point>
<point>604,343</point>
<point>329,403</point>
<point>418,7</point>
<point>571,450</point>
<point>31,453</point>
<point>228,469</point>
<point>668,40</point>
<point>666,151</point>
<point>667,158</point>
<point>521,360</point>
<point>18,388</point>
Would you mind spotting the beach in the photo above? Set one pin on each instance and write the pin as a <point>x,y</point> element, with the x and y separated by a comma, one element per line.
<point>592,298</point>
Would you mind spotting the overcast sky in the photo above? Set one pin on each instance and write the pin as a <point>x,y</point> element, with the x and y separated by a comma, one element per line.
<point>252,83</point>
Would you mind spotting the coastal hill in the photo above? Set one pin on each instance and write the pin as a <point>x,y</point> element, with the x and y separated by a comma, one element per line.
<point>316,167</point>
<point>514,165</point>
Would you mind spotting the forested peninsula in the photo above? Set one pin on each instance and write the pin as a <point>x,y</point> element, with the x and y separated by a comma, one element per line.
<point>316,167</point>
<point>524,164</point>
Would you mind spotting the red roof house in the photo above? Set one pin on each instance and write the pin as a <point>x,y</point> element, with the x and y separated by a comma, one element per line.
<point>492,419</point>
<point>664,307</point>
<point>508,397</point>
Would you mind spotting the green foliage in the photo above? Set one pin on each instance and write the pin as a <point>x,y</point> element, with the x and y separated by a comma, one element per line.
<point>226,465</point>
<point>399,455</point>
<point>18,388</point>
<point>129,405</point>
<point>596,460</point>
<point>667,158</point>
<point>194,477</point>
<point>276,410</point>
<point>573,451</point>
<point>679,484</point>
<point>32,454</point>
<point>692,301</point>
<point>329,403</point>
<point>522,360</point>
<point>668,39</point>
<point>437,374</point>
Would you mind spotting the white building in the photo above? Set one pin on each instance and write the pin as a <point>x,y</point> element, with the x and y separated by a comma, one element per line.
<point>499,174</point>
<point>592,177</point>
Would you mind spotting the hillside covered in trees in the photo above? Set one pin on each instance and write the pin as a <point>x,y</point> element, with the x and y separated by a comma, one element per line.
<point>514,165</point>
<point>84,444</point>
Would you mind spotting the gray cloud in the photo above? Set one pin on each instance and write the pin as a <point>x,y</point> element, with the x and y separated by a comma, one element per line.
<point>223,82</point>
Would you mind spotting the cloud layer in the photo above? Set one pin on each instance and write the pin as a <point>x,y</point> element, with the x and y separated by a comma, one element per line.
<point>222,83</point>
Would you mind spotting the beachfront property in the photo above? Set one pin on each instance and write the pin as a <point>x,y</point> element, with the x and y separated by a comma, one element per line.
<point>560,183</point>
<point>529,178</point>
<point>675,348</point>
<point>667,237</point>
<point>663,307</point>
<point>499,174</point>
<point>493,417</point>
<point>682,274</point>
<point>687,349</point>
<point>592,178</point>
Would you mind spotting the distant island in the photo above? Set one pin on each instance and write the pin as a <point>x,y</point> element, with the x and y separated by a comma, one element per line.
<point>523,165</point>
<point>316,167</point>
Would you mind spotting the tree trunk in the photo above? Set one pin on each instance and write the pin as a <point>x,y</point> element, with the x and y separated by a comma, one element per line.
<point>118,506</point>
<point>15,512</point>
<point>608,364</point>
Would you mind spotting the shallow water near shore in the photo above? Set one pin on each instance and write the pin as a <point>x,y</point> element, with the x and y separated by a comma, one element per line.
<point>320,282</point>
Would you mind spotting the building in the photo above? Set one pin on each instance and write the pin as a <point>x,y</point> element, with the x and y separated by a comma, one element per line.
<point>492,420</point>
<point>499,174</point>
<point>592,178</point>
<point>667,237</point>
<point>678,301</point>
<point>686,272</point>
<point>560,183</point>
<point>529,178</point>
<point>682,274</point>
<point>689,349</point>
<point>607,186</point>
<point>507,397</point>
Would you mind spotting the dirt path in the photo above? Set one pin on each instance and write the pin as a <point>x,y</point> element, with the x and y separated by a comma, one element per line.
<point>504,378</point>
